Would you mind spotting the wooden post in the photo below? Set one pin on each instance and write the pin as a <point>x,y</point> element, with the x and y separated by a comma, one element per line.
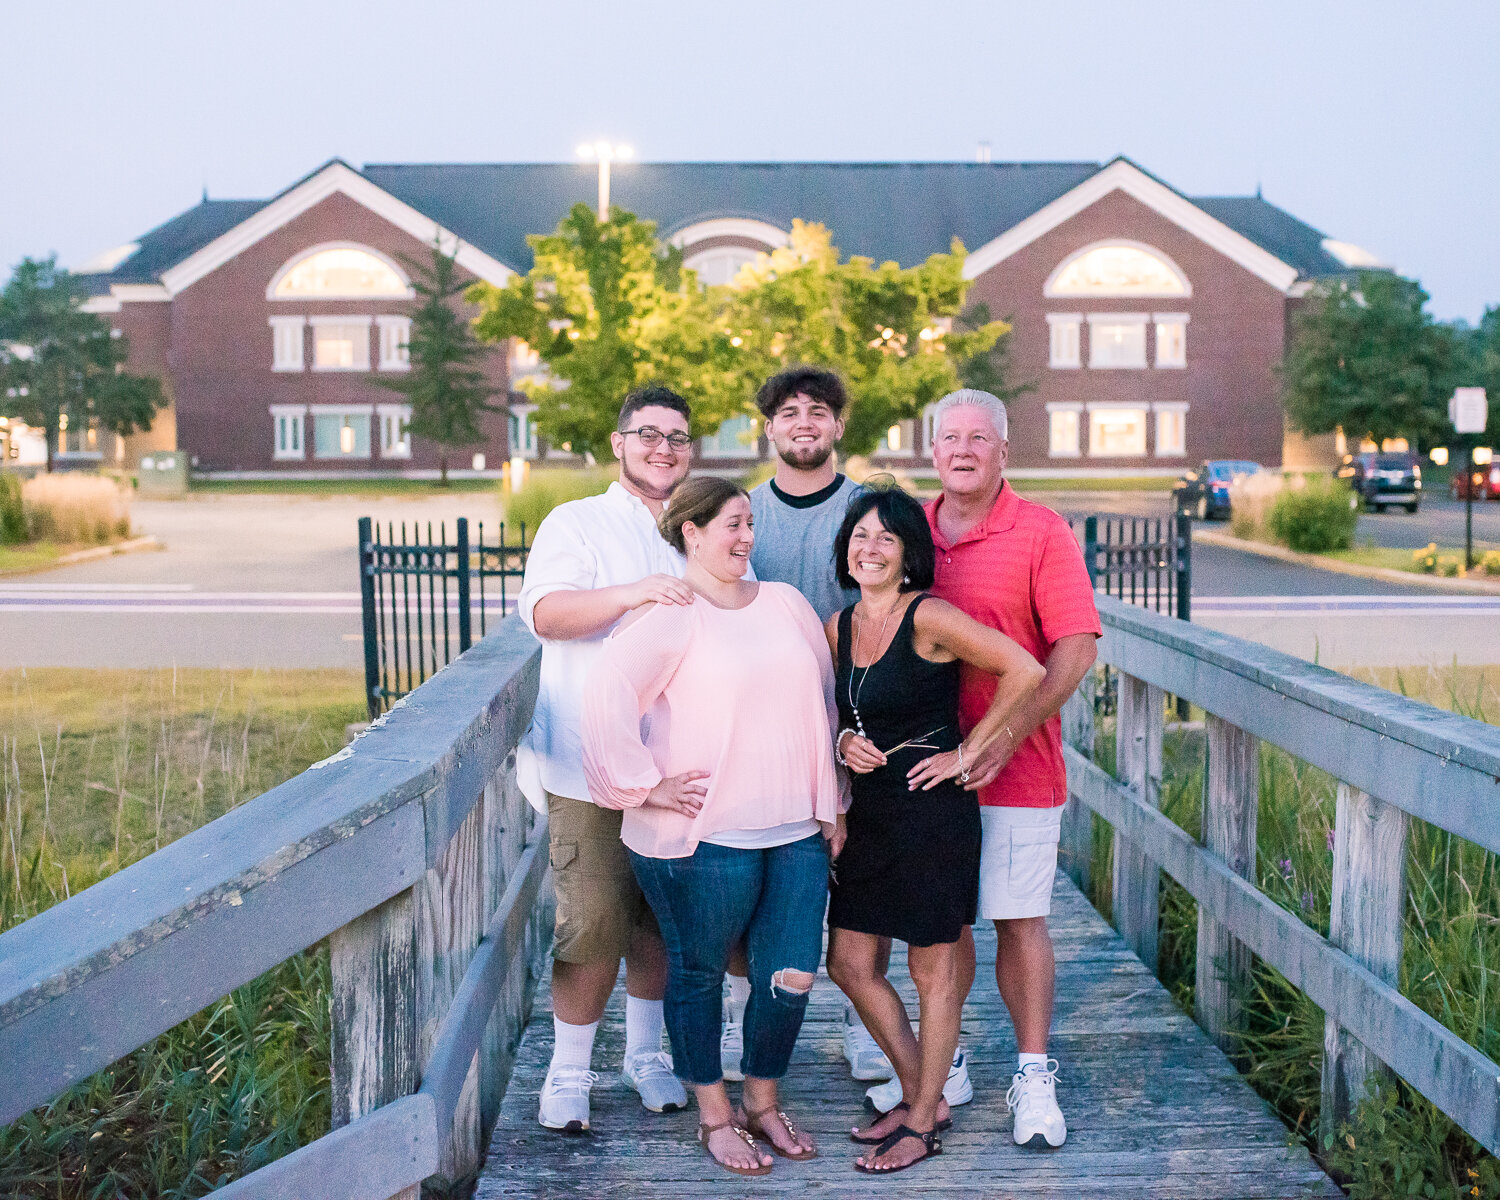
<point>506,820</point>
<point>1367,922</point>
<point>1137,880</point>
<point>1076,844</point>
<point>374,1036</point>
<point>1231,799</point>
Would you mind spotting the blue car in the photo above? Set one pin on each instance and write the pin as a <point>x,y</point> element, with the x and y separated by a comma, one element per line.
<point>1204,491</point>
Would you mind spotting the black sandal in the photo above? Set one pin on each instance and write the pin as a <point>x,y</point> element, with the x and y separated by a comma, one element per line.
<point>945,1124</point>
<point>930,1140</point>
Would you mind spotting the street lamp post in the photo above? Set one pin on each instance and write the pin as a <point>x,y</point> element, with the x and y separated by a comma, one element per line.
<point>604,153</point>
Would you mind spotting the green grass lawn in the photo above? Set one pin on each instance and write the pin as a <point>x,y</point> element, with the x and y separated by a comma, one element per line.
<point>30,556</point>
<point>340,487</point>
<point>1403,560</point>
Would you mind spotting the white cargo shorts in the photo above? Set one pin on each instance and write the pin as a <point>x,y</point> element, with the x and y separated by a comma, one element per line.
<point>1017,861</point>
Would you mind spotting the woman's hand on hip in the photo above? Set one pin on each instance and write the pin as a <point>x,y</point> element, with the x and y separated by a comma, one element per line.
<point>930,772</point>
<point>861,755</point>
<point>838,837</point>
<point>681,793</point>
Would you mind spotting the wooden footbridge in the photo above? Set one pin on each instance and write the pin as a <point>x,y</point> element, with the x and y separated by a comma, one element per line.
<point>413,855</point>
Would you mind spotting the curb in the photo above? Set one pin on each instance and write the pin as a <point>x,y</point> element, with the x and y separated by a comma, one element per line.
<point>1323,563</point>
<point>129,546</point>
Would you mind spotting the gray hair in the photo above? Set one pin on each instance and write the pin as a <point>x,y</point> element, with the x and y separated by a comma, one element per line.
<point>973,398</point>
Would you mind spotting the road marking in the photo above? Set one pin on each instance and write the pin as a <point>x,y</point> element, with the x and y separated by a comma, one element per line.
<point>179,598</point>
<point>1403,606</point>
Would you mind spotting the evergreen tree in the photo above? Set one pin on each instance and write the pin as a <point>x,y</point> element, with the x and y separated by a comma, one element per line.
<point>60,364</point>
<point>448,391</point>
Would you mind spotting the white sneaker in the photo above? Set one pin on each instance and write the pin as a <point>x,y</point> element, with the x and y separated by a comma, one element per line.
<point>649,1072</point>
<point>732,1049</point>
<point>565,1098</point>
<point>866,1059</point>
<point>1032,1100</point>
<point>957,1089</point>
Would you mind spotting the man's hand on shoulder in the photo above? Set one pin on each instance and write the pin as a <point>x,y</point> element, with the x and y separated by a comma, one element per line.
<point>658,589</point>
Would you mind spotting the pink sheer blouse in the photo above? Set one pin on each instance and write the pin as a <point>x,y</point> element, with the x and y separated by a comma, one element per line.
<point>745,694</point>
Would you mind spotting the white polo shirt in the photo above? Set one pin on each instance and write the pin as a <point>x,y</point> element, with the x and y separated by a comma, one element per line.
<point>597,542</point>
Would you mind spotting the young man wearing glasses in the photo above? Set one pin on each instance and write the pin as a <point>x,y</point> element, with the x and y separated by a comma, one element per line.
<point>593,560</point>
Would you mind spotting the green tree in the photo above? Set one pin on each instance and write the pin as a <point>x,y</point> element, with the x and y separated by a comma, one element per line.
<point>60,364</point>
<point>1367,357</point>
<point>608,309</point>
<point>1482,365</point>
<point>448,391</point>
<point>989,371</point>
<point>891,331</point>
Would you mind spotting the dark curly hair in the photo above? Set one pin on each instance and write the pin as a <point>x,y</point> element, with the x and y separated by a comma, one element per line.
<point>900,514</point>
<point>818,383</point>
<point>653,395</point>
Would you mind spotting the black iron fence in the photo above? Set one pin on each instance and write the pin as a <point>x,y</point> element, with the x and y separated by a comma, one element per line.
<point>1146,561</point>
<point>420,597</point>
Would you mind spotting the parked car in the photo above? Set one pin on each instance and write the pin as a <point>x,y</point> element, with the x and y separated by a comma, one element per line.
<point>1382,478</point>
<point>1204,491</point>
<point>1486,480</point>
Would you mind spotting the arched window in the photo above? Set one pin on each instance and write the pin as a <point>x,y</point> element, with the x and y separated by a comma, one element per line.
<point>339,271</point>
<point>720,264</point>
<point>1117,268</point>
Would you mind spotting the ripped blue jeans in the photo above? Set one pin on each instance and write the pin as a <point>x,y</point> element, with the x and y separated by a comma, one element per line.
<point>704,904</point>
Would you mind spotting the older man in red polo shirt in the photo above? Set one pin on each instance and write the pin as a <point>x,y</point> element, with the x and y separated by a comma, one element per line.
<point>1016,567</point>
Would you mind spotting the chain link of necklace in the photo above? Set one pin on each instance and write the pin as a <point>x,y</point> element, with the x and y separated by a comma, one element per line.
<point>856,693</point>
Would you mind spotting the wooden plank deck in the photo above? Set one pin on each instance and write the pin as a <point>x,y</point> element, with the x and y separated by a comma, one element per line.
<point>1154,1109</point>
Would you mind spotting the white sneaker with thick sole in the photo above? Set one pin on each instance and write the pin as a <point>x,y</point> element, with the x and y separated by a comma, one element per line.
<point>1032,1100</point>
<point>649,1072</point>
<point>957,1089</point>
<point>565,1098</point>
<point>731,1049</point>
<point>866,1059</point>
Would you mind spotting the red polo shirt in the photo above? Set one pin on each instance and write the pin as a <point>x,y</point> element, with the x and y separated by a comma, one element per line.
<point>1020,571</point>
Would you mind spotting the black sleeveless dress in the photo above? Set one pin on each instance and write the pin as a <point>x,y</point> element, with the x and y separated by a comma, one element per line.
<point>910,867</point>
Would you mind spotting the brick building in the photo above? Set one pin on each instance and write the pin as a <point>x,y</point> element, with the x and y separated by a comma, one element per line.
<point>1151,324</point>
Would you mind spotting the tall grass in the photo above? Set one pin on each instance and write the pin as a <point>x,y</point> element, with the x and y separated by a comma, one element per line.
<point>544,489</point>
<point>100,769</point>
<point>1398,1144</point>
<point>75,508</point>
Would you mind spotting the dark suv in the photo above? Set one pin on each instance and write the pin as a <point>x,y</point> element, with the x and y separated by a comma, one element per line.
<point>1204,491</point>
<point>1384,478</point>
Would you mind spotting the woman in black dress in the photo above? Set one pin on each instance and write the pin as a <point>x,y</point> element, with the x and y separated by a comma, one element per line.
<point>909,867</point>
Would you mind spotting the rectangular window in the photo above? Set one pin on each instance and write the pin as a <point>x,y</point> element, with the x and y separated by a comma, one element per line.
<point>395,436</point>
<point>1171,339</point>
<point>522,431</point>
<point>395,336</point>
<point>286,343</point>
<point>1063,339</point>
<point>899,439</point>
<point>341,344</point>
<point>288,426</point>
<point>1062,439</point>
<point>1117,432</point>
<point>1117,340</point>
<point>341,434</point>
<point>1171,431</point>
<point>737,438</point>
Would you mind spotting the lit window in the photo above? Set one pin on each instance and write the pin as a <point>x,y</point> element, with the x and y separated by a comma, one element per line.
<point>522,431</point>
<point>1062,421</point>
<point>523,359</point>
<point>286,341</point>
<point>1117,269</point>
<point>1116,432</point>
<point>339,272</point>
<point>287,422</point>
<point>1171,430</point>
<point>395,434</point>
<point>1064,339</point>
<point>1117,340</point>
<point>395,336</point>
<point>341,433</point>
<point>1171,339</point>
<point>341,343</point>
<point>721,264</point>
<point>899,439</point>
<point>737,438</point>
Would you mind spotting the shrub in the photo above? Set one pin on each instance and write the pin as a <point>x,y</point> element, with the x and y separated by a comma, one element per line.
<point>1314,518</point>
<point>1250,501</point>
<point>75,508</point>
<point>545,490</point>
<point>1450,566</point>
<point>1426,558</point>
<point>12,511</point>
<point>1490,563</point>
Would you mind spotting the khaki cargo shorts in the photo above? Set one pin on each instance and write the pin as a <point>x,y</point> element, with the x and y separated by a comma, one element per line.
<point>599,904</point>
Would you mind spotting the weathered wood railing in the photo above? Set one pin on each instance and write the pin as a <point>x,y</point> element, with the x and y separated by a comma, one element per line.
<point>411,851</point>
<point>1395,759</point>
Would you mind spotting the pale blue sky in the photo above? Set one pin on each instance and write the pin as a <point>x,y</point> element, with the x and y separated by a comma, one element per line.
<point>1377,122</point>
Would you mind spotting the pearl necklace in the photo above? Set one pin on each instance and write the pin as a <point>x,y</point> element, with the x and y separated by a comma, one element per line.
<point>856,693</point>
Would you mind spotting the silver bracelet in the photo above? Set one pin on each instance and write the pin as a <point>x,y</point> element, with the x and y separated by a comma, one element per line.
<point>837,743</point>
<point>963,775</point>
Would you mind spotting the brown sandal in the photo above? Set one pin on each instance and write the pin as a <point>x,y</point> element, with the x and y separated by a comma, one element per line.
<point>755,1122</point>
<point>707,1131</point>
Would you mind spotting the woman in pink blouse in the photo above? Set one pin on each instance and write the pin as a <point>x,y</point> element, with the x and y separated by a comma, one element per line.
<point>730,795</point>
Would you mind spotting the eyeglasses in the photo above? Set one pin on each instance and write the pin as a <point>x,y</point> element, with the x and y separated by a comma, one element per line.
<point>652,437</point>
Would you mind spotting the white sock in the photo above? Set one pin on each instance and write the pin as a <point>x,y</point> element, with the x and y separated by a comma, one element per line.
<point>1032,1060</point>
<point>739,996</point>
<point>572,1045</point>
<point>643,1025</point>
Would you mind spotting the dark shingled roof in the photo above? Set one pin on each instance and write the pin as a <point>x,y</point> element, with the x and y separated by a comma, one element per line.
<point>899,211</point>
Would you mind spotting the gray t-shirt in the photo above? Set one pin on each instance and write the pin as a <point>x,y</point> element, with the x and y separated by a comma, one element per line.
<point>794,541</point>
